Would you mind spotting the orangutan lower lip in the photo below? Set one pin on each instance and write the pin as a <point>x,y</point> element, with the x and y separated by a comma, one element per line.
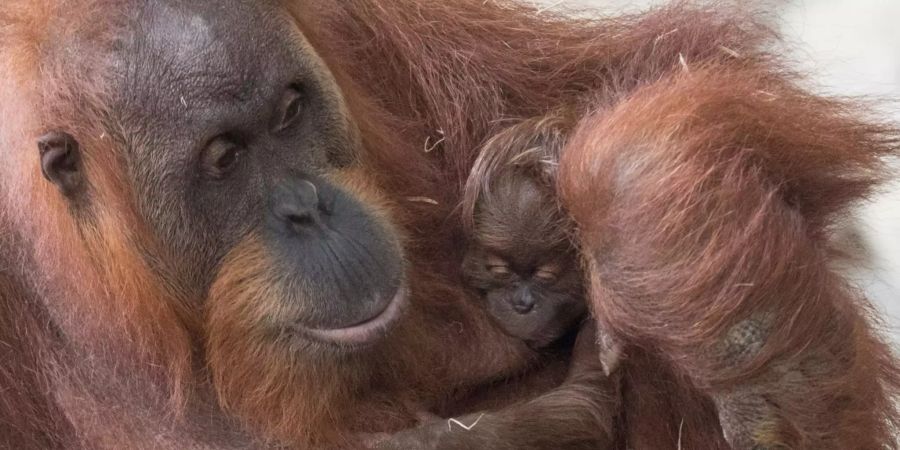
<point>366,332</point>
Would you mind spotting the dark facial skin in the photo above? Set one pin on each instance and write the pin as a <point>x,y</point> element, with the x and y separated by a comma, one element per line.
<point>522,262</point>
<point>228,140</point>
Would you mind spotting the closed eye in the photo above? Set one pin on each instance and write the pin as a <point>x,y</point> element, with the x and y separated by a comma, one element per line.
<point>498,266</point>
<point>547,273</point>
<point>499,270</point>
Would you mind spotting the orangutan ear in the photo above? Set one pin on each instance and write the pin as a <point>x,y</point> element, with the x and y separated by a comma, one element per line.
<point>61,161</point>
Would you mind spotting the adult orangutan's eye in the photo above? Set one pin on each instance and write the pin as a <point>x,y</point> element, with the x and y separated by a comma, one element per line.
<point>290,108</point>
<point>220,158</point>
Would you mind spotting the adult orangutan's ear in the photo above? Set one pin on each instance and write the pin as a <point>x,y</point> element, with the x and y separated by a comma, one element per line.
<point>61,161</point>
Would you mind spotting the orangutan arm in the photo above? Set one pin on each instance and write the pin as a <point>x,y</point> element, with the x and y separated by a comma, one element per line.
<point>704,202</point>
<point>580,414</point>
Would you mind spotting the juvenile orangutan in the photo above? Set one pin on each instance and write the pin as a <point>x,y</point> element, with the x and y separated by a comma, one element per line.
<point>523,263</point>
<point>521,257</point>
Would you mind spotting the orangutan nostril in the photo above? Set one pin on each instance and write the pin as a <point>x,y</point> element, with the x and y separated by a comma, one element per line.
<point>304,219</point>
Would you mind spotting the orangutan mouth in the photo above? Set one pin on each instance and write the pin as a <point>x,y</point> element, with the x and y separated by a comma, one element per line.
<point>364,333</point>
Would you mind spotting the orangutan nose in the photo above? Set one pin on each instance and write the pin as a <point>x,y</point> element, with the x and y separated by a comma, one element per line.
<point>298,205</point>
<point>523,302</point>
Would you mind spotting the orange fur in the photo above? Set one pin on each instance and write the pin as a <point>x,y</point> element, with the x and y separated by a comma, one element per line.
<point>705,200</point>
<point>105,353</point>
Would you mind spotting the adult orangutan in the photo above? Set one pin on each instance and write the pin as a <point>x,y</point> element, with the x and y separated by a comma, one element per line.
<point>228,224</point>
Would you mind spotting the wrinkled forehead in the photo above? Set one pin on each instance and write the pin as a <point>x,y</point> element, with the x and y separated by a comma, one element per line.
<point>193,47</point>
<point>189,32</point>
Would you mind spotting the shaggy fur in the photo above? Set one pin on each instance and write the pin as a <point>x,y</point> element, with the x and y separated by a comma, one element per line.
<point>706,200</point>
<point>703,183</point>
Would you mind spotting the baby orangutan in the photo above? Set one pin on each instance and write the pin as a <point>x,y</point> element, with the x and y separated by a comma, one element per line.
<point>520,256</point>
<point>523,263</point>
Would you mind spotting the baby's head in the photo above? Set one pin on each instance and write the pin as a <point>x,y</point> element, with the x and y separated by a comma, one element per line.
<point>521,259</point>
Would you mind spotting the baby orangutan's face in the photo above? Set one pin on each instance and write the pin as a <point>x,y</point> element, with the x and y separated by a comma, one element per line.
<point>521,261</point>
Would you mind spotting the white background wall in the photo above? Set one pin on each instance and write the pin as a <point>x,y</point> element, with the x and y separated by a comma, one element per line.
<point>848,47</point>
<point>853,47</point>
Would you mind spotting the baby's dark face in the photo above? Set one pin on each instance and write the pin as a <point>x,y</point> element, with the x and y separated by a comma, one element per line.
<point>521,261</point>
<point>536,302</point>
